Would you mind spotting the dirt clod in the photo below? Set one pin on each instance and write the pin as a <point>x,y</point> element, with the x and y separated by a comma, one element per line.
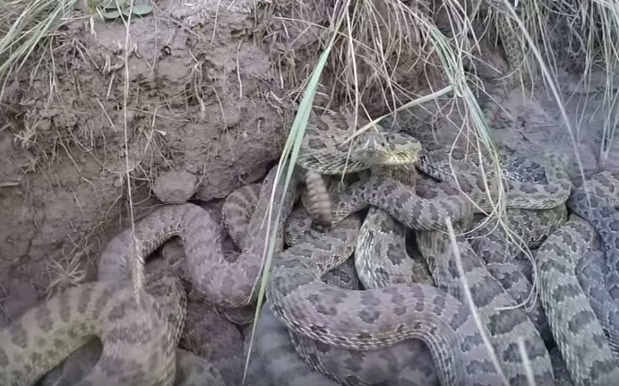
<point>175,186</point>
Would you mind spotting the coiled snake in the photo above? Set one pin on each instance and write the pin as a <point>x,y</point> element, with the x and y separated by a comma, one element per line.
<point>139,340</point>
<point>307,306</point>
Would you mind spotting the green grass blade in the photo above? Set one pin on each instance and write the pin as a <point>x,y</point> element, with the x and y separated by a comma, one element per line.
<point>293,144</point>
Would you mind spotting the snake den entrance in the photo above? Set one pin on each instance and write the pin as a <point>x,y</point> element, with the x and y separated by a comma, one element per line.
<point>308,193</point>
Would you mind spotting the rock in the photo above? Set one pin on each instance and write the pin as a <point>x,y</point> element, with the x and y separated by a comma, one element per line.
<point>175,186</point>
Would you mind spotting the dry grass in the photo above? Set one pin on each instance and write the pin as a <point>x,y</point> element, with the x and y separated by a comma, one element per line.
<point>25,26</point>
<point>68,271</point>
<point>377,57</point>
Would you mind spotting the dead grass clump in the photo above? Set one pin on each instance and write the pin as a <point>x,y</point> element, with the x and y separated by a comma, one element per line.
<point>24,26</point>
<point>380,56</point>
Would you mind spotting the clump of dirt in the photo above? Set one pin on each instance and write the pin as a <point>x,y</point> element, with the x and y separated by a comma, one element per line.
<point>175,186</point>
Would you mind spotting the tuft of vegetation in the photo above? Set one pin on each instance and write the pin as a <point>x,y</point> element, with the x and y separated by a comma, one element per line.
<point>25,26</point>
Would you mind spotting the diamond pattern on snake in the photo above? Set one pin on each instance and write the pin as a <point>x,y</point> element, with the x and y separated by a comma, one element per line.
<point>275,364</point>
<point>577,331</point>
<point>506,323</point>
<point>528,228</point>
<point>138,338</point>
<point>595,201</point>
<point>528,196</point>
<point>343,322</point>
<point>407,362</point>
<point>590,271</point>
<point>488,295</point>
<point>378,318</point>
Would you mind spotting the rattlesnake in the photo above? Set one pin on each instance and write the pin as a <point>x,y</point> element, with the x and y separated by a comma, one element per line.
<point>191,370</point>
<point>133,355</point>
<point>598,208</point>
<point>220,279</point>
<point>408,361</point>
<point>386,195</point>
<point>565,335</point>
<point>359,320</point>
<point>506,323</point>
<point>139,342</point>
<point>387,261</point>
<point>528,228</point>
<point>591,271</point>
<point>568,310</point>
<point>274,362</point>
<point>309,307</point>
<point>576,329</point>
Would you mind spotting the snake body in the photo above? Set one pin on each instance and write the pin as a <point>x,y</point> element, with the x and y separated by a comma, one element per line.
<point>364,322</point>
<point>524,199</point>
<point>598,208</point>
<point>528,227</point>
<point>310,307</point>
<point>274,361</point>
<point>223,282</point>
<point>139,340</point>
<point>359,321</point>
<point>578,333</point>
<point>506,323</point>
<point>498,250</point>
<point>326,133</point>
<point>238,210</point>
<point>591,271</point>
<point>576,330</point>
<point>381,257</point>
<point>136,336</point>
<point>407,362</point>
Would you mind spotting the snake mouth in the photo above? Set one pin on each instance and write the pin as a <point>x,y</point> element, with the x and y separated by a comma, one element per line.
<point>372,148</point>
<point>371,156</point>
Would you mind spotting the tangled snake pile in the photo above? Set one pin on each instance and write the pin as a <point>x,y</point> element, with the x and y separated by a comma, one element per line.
<point>339,330</point>
<point>309,307</point>
<point>140,334</point>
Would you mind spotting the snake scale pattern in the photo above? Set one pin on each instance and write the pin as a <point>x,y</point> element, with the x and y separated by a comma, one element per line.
<point>564,303</point>
<point>132,327</point>
<point>296,280</point>
<point>135,335</point>
<point>140,334</point>
<point>309,307</point>
<point>379,323</point>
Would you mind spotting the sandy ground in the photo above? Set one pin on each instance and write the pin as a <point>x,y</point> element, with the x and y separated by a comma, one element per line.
<point>202,101</point>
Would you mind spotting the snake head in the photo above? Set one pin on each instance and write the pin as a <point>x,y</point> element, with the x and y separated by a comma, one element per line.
<point>371,148</point>
<point>380,148</point>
